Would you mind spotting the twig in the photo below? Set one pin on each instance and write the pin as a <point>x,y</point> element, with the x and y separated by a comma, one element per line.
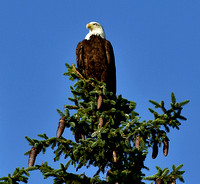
<point>73,65</point>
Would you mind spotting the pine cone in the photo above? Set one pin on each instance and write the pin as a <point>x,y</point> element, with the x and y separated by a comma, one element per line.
<point>166,146</point>
<point>115,156</point>
<point>32,156</point>
<point>100,122</point>
<point>99,102</point>
<point>137,142</point>
<point>78,136</point>
<point>61,127</point>
<point>155,150</point>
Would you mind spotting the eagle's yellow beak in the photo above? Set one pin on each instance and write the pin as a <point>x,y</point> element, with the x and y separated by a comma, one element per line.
<point>89,26</point>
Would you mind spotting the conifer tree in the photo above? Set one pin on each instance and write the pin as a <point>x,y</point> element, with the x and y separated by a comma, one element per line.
<point>112,139</point>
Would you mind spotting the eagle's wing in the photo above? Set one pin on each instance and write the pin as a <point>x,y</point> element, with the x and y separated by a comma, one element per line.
<point>111,73</point>
<point>79,57</point>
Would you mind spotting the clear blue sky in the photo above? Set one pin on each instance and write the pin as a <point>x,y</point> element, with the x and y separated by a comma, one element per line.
<point>157,50</point>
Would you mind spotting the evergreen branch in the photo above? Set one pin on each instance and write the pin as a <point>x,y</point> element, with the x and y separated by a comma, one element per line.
<point>19,175</point>
<point>165,176</point>
<point>171,115</point>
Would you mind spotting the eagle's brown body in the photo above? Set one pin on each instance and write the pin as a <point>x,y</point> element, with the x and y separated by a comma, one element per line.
<point>95,59</point>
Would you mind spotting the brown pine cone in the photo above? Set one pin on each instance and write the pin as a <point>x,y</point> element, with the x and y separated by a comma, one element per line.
<point>78,136</point>
<point>114,156</point>
<point>61,127</point>
<point>100,122</point>
<point>137,142</point>
<point>155,150</point>
<point>165,146</point>
<point>32,156</point>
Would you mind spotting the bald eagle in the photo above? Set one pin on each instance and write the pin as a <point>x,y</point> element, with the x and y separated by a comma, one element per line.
<point>95,57</point>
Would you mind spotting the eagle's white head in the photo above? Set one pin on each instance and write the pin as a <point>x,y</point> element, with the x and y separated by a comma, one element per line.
<point>95,29</point>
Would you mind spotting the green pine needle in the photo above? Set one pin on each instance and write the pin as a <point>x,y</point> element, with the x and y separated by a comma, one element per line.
<point>173,99</point>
